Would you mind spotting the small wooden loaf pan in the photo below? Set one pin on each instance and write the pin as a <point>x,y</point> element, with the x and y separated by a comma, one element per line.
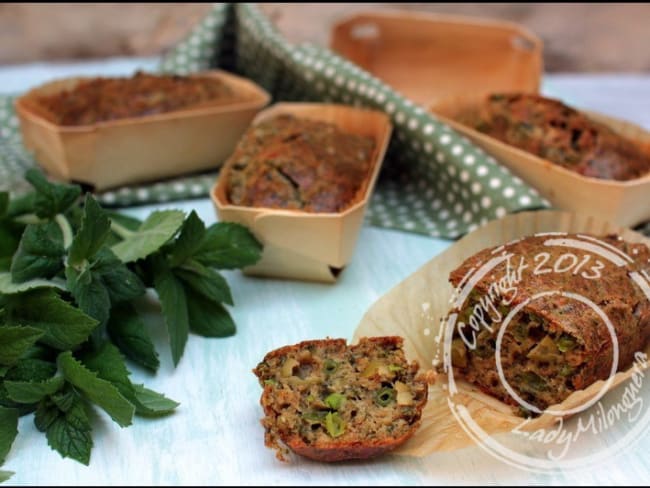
<point>429,57</point>
<point>625,203</point>
<point>303,245</point>
<point>138,149</point>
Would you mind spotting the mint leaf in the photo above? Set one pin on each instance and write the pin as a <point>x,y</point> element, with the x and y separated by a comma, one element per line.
<point>40,351</point>
<point>31,369</point>
<point>90,293</point>
<point>99,391</point>
<point>10,233</point>
<point>40,252</point>
<point>7,402</point>
<point>64,400</point>
<point>174,305</point>
<point>5,475</point>
<point>65,326</point>
<point>109,365</point>
<point>33,391</point>
<point>154,232</point>
<point>25,370</point>
<point>8,287</point>
<point>21,205</point>
<point>121,283</point>
<point>208,318</point>
<point>152,404</point>
<point>4,203</point>
<point>95,227</point>
<point>69,433</point>
<point>123,223</point>
<point>129,334</point>
<point>227,245</point>
<point>15,341</point>
<point>205,281</point>
<point>46,413</point>
<point>126,221</point>
<point>8,430</point>
<point>103,282</point>
<point>51,198</point>
<point>189,240</point>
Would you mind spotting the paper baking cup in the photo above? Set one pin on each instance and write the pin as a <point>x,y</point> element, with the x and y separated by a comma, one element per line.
<point>138,149</point>
<point>626,203</point>
<point>414,309</point>
<point>305,245</point>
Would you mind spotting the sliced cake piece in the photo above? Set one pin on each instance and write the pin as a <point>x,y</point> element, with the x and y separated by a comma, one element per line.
<point>557,343</point>
<point>330,402</point>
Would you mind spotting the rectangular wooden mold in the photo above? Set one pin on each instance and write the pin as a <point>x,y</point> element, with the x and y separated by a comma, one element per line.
<point>429,57</point>
<point>625,203</point>
<point>139,149</point>
<point>303,245</point>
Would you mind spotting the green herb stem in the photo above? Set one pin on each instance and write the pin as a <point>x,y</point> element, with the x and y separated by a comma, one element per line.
<point>120,230</point>
<point>29,218</point>
<point>66,230</point>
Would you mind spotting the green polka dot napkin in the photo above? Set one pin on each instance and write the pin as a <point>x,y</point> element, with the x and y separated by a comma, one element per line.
<point>433,182</point>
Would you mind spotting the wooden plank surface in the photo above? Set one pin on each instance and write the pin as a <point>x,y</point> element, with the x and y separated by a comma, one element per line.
<point>578,37</point>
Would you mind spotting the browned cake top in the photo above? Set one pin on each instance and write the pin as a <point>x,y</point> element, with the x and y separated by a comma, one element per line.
<point>103,99</point>
<point>554,131</point>
<point>542,264</point>
<point>298,163</point>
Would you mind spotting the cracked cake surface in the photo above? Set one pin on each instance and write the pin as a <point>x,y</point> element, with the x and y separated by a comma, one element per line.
<point>561,134</point>
<point>296,163</point>
<point>556,343</point>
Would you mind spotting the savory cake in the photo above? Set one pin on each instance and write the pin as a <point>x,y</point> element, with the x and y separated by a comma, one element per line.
<point>102,99</point>
<point>555,344</point>
<point>554,131</point>
<point>330,402</point>
<point>298,163</point>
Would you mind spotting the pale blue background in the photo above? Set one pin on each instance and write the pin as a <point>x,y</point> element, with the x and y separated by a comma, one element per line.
<point>215,436</point>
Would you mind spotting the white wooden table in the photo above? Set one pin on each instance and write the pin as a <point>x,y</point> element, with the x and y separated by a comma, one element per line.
<point>215,436</point>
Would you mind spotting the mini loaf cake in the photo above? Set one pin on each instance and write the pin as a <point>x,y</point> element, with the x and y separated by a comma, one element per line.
<point>297,163</point>
<point>555,344</point>
<point>330,402</point>
<point>551,130</point>
<point>103,99</point>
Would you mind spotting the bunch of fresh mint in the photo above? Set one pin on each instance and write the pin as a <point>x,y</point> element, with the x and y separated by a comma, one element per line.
<point>69,275</point>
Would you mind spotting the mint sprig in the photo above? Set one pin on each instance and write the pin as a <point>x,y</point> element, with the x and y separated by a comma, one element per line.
<point>72,276</point>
